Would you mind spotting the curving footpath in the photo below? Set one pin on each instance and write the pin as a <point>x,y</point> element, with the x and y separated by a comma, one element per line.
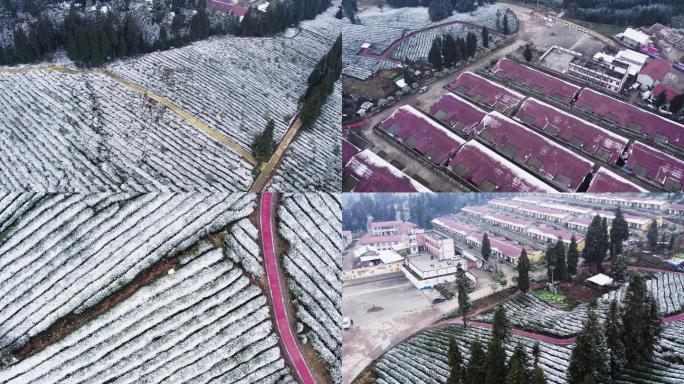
<point>537,336</point>
<point>275,291</point>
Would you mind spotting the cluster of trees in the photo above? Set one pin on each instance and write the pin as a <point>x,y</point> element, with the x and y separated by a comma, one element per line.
<point>263,144</point>
<point>321,83</point>
<point>625,12</point>
<point>447,51</point>
<point>598,241</point>
<point>96,38</point>
<point>561,263</point>
<point>492,367</point>
<point>675,105</point>
<point>349,8</point>
<point>441,9</point>
<point>279,16</point>
<point>627,337</point>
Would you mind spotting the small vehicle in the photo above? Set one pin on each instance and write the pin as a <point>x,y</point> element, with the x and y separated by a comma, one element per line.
<point>347,323</point>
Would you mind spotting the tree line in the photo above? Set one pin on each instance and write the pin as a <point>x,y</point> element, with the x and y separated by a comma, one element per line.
<point>321,83</point>
<point>279,16</point>
<point>492,366</point>
<point>99,37</point>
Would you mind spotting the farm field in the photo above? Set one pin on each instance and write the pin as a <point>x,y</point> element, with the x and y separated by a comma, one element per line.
<point>62,254</point>
<point>63,132</point>
<point>530,313</point>
<point>382,28</point>
<point>311,224</point>
<point>204,323</point>
<point>423,357</point>
<point>313,162</point>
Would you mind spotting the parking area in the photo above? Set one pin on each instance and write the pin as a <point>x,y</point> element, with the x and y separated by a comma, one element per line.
<point>384,313</point>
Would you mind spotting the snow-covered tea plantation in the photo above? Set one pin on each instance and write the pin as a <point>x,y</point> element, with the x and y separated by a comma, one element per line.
<point>312,161</point>
<point>422,359</point>
<point>381,28</point>
<point>204,323</point>
<point>311,225</point>
<point>63,132</point>
<point>62,254</point>
<point>233,84</point>
<point>530,313</point>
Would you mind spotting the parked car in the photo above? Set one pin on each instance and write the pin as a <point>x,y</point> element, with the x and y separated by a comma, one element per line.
<point>347,323</point>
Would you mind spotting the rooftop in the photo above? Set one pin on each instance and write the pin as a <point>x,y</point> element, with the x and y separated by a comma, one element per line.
<point>485,91</point>
<point>629,116</point>
<point>426,262</point>
<point>534,79</point>
<point>554,233</point>
<point>581,133</point>
<point>368,172</point>
<point>656,69</point>
<point>607,181</point>
<point>652,164</point>
<point>566,168</point>
<point>491,172</point>
<point>420,133</point>
<point>669,93</point>
<point>456,226</point>
<point>455,111</point>
<point>597,66</point>
<point>349,150</point>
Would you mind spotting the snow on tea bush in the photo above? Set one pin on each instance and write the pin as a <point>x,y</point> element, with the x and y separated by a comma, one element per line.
<point>311,224</point>
<point>63,253</point>
<point>204,323</point>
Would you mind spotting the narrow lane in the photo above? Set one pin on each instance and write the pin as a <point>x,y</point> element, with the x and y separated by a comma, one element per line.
<point>275,291</point>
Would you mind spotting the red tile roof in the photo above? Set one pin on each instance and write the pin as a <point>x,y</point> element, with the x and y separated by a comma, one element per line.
<point>373,174</point>
<point>420,133</point>
<point>590,137</point>
<point>534,79</point>
<point>455,111</point>
<point>349,150</point>
<point>553,162</point>
<point>669,94</point>
<point>607,181</point>
<point>656,165</point>
<point>485,91</point>
<point>627,115</point>
<point>656,69</point>
<point>481,166</point>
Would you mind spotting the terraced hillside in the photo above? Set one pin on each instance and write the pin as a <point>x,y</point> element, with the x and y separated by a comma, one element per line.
<point>530,313</point>
<point>156,286</point>
<point>61,254</point>
<point>423,357</point>
<point>64,132</point>
<point>313,160</point>
<point>311,223</point>
<point>204,323</point>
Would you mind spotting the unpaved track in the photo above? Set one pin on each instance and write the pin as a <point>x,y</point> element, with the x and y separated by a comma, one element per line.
<point>268,168</point>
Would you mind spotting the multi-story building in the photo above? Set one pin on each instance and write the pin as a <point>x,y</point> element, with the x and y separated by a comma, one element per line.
<point>597,74</point>
<point>437,245</point>
<point>397,235</point>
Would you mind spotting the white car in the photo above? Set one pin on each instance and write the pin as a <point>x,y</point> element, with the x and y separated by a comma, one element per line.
<point>347,323</point>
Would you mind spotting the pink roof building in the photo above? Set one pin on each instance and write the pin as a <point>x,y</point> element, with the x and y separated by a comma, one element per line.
<point>550,234</point>
<point>492,173</point>
<point>349,150</point>
<point>486,92</point>
<point>591,138</point>
<point>535,80</point>
<point>508,221</point>
<point>660,88</point>
<point>607,181</point>
<point>656,69</point>
<point>652,164</point>
<point>449,225</point>
<point>631,117</point>
<point>457,113</point>
<point>418,132</point>
<point>368,172</point>
<point>560,166</point>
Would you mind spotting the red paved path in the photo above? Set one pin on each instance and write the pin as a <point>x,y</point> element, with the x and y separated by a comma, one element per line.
<point>276,292</point>
<point>537,336</point>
